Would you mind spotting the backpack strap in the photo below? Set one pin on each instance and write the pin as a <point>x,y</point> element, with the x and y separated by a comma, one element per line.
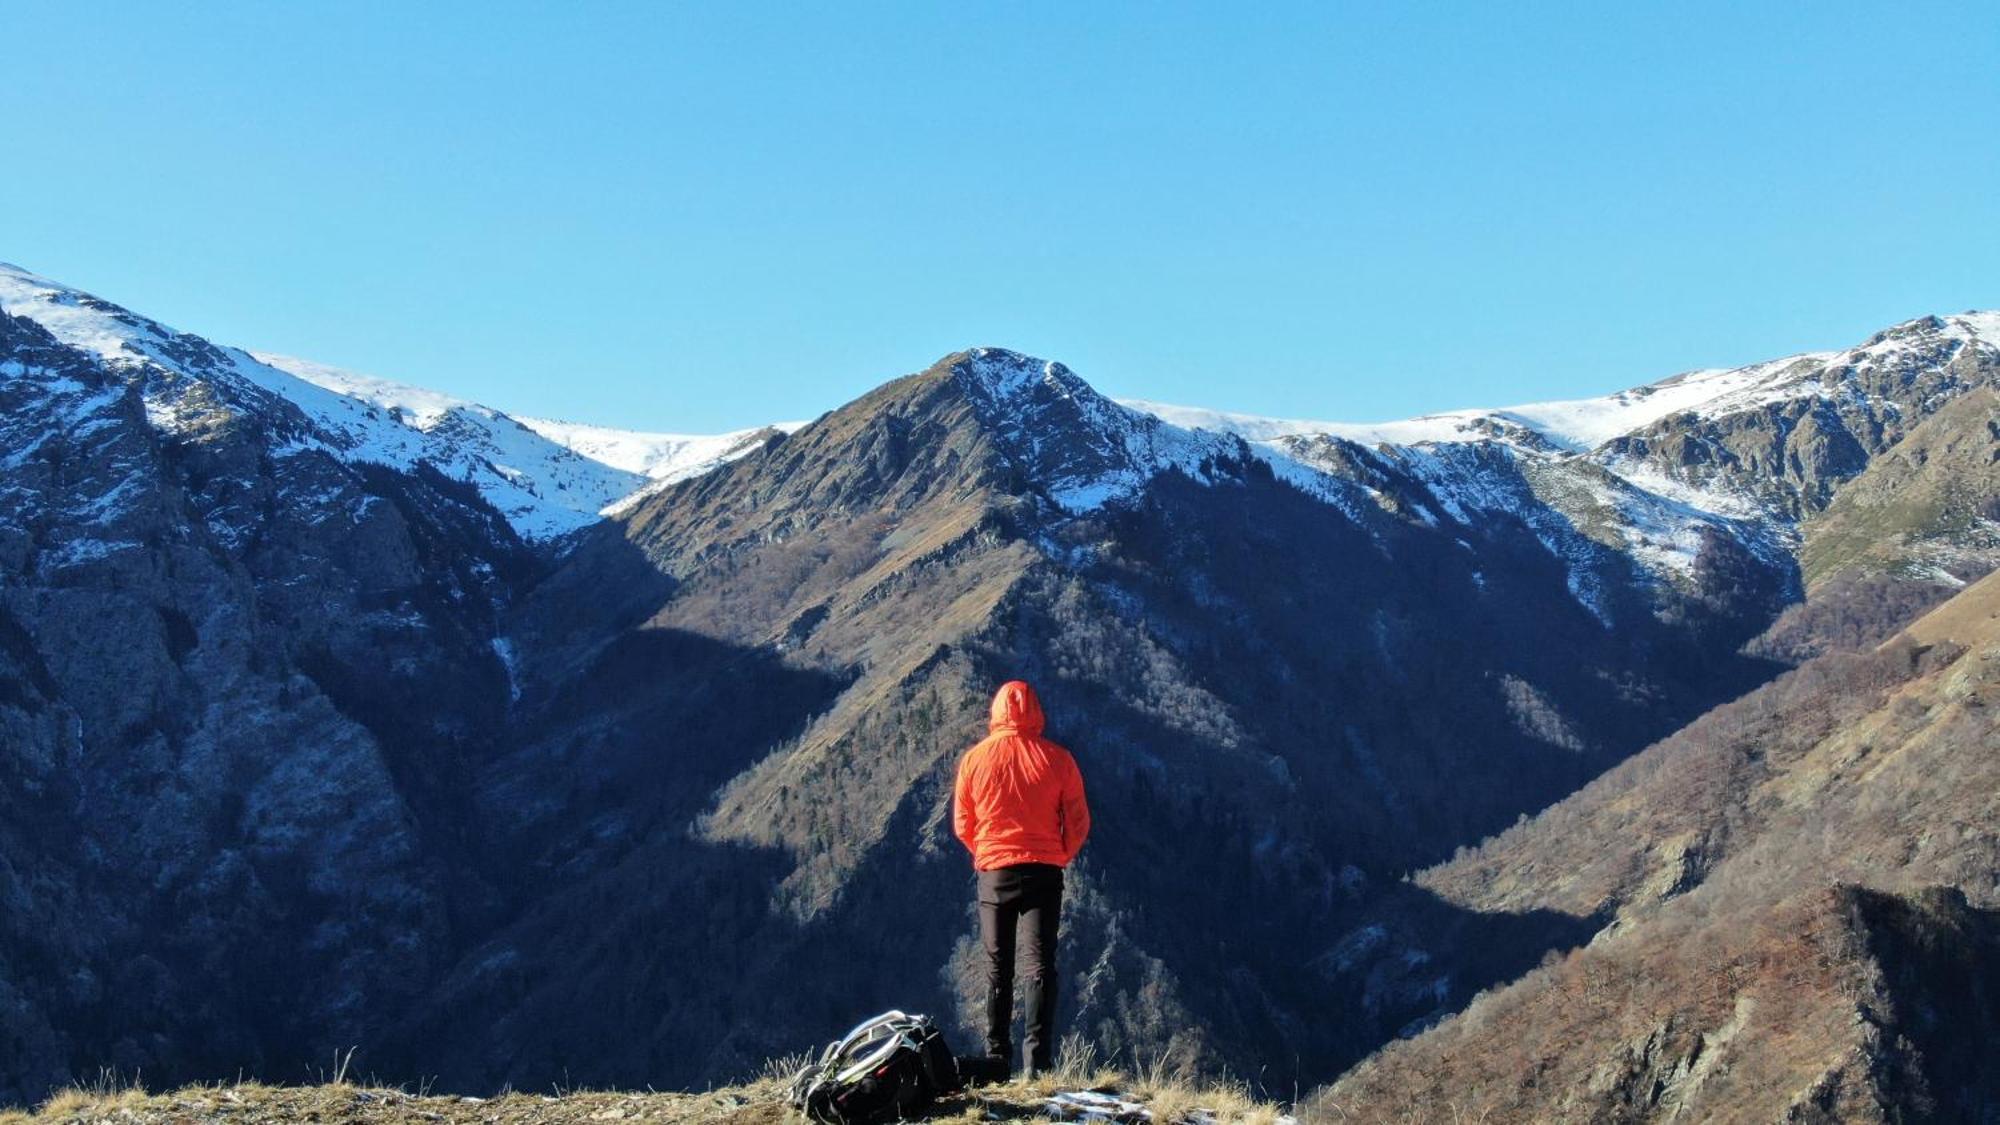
<point>867,1029</point>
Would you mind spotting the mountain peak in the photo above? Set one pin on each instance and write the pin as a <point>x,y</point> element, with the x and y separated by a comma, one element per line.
<point>93,325</point>
<point>1002,373</point>
<point>1971,326</point>
<point>1083,448</point>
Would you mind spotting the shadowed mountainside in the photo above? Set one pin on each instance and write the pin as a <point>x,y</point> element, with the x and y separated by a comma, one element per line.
<point>1799,892</point>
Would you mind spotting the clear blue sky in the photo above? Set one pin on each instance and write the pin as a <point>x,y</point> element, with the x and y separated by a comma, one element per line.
<point>697,218</point>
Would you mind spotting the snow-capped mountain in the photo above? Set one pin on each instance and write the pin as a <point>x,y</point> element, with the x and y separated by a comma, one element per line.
<point>547,478</point>
<point>571,472</point>
<point>1654,470</point>
<point>1572,426</point>
<point>1648,474</point>
<point>1651,477</point>
<point>1587,424</point>
<point>1088,451</point>
<point>305,746</point>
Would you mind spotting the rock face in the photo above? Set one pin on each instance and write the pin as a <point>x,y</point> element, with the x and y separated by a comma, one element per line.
<point>240,682</point>
<point>323,728</point>
<point>1817,421</point>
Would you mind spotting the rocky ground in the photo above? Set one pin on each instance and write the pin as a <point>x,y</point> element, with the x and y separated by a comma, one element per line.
<point>1101,1097</point>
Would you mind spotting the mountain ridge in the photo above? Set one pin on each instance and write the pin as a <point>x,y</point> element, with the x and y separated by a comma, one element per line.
<point>1578,425</point>
<point>536,478</point>
<point>503,807</point>
<point>633,463</point>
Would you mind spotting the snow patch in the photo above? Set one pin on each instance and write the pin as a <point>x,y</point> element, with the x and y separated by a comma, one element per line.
<point>1086,450</point>
<point>1572,425</point>
<point>659,457</point>
<point>504,650</point>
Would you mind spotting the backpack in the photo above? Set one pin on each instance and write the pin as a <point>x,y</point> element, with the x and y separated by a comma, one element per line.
<point>888,1068</point>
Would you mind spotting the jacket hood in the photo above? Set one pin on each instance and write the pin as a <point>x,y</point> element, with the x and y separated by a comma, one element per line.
<point>1015,710</point>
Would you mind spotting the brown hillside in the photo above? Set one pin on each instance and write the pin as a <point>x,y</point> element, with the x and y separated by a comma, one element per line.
<point>1928,507</point>
<point>1917,524</point>
<point>1796,886</point>
<point>1964,619</point>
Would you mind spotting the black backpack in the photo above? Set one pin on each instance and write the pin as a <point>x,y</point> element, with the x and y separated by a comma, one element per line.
<point>888,1068</point>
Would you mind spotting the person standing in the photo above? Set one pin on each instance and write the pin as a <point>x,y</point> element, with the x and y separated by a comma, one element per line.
<point>1018,807</point>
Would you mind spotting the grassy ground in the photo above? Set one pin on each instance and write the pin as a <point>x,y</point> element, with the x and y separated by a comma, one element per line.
<point>1167,1098</point>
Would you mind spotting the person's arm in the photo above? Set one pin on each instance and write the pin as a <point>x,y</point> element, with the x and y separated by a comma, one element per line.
<point>964,823</point>
<point>1075,813</point>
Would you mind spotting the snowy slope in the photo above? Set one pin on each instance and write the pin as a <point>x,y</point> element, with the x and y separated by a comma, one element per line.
<point>543,489</point>
<point>657,457</point>
<point>1085,449</point>
<point>1575,425</point>
<point>1088,451</point>
<point>1582,425</point>
<point>1566,469</point>
<point>1587,475</point>
<point>663,458</point>
<point>548,479</point>
<point>594,470</point>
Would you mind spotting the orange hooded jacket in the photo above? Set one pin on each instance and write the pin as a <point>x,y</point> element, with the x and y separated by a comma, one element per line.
<point>1019,796</point>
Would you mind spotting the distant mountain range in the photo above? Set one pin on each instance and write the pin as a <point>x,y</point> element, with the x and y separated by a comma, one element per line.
<point>342,712</point>
<point>551,477</point>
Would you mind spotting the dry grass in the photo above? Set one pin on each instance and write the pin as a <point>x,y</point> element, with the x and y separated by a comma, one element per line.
<point>1168,1096</point>
<point>759,1103</point>
<point>1226,1103</point>
<point>1971,618</point>
<point>785,1067</point>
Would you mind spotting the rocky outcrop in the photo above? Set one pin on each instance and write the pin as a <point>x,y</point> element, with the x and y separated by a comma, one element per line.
<point>1821,421</point>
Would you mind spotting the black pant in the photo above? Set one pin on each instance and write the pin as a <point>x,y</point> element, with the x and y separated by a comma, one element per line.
<point>1025,899</point>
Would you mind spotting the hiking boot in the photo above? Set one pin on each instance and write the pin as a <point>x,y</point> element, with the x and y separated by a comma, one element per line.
<point>984,1070</point>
